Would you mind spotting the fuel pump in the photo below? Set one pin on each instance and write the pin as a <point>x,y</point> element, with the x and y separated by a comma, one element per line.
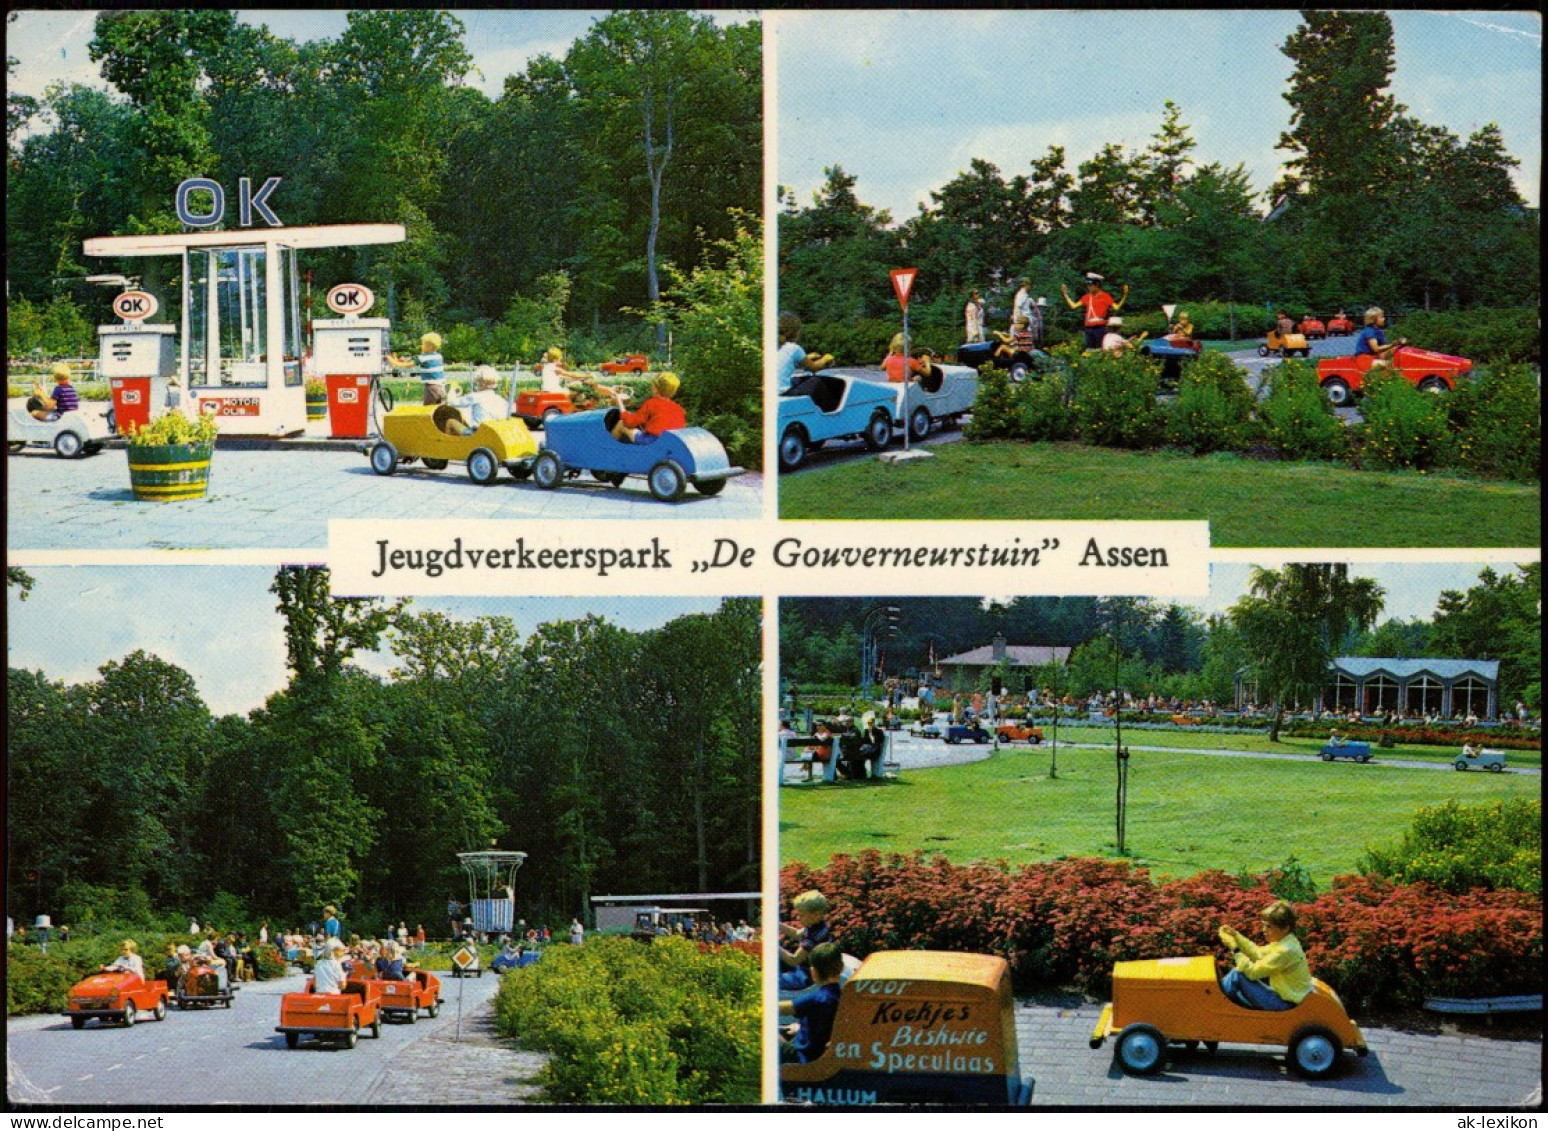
<point>350,354</point>
<point>136,358</point>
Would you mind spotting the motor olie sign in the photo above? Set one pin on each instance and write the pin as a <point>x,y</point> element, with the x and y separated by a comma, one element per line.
<point>350,298</point>
<point>135,306</point>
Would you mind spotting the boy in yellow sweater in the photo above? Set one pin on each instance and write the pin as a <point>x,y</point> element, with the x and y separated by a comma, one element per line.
<point>1273,976</point>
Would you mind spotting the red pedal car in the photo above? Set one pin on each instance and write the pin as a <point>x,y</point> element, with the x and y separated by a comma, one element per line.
<point>1340,325</point>
<point>633,363</point>
<point>403,1000</point>
<point>1342,378</point>
<point>337,1017</point>
<point>1313,327</point>
<point>115,995</point>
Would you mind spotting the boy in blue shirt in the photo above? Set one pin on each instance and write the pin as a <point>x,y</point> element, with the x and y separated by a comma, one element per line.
<point>813,1009</point>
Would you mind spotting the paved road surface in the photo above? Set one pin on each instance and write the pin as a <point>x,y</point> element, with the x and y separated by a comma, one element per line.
<point>235,1056</point>
<point>1404,1069</point>
<point>283,499</point>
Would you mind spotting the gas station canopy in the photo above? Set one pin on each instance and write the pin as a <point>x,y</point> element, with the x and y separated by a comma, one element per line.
<point>327,235</point>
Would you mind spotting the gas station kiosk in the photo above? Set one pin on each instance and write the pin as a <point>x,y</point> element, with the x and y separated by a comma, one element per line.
<point>136,358</point>
<point>348,354</point>
<point>240,336</point>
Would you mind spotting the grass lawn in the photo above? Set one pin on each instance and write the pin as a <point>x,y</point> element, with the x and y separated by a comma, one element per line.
<point>1194,740</point>
<point>1247,502</point>
<point>1186,812</point>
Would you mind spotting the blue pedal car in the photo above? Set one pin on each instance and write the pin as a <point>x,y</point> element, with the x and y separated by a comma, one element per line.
<point>1019,364</point>
<point>583,441</point>
<point>1355,751</point>
<point>833,406</point>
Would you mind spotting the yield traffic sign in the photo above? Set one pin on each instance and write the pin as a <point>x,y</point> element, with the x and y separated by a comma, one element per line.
<point>903,283</point>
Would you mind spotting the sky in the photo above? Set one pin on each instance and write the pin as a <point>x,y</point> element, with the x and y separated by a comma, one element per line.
<point>904,100</point>
<point>219,624</point>
<point>52,46</point>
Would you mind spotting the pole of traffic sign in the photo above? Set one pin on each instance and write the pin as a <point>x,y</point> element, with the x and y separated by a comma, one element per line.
<point>462,984</point>
<point>908,378</point>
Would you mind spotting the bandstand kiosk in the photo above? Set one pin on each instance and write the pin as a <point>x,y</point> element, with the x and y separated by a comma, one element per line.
<point>240,335</point>
<point>492,888</point>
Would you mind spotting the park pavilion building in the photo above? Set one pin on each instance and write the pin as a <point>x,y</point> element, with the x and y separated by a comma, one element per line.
<point>962,671</point>
<point>1409,688</point>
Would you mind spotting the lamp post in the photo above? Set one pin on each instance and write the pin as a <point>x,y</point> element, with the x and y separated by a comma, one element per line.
<point>880,621</point>
<point>42,925</point>
<point>1120,754</point>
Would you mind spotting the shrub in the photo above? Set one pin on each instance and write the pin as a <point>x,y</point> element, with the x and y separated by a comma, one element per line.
<point>36,982</point>
<point>1213,412</point>
<point>1495,335</point>
<point>1115,399</point>
<point>1044,410</point>
<point>1296,417</point>
<point>173,428</point>
<point>1065,922</point>
<point>996,409</point>
<point>1498,418</point>
<point>1458,848</point>
<point>1403,427</point>
<point>660,1023</point>
<point>271,963</point>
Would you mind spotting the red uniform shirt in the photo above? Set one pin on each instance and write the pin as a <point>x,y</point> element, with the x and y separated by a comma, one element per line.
<point>1097,304</point>
<point>657,415</point>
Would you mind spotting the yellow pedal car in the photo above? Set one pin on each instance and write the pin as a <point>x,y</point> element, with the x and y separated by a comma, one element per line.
<point>439,435</point>
<point>1163,1001</point>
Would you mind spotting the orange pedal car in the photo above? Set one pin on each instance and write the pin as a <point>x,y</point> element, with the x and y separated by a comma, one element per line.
<point>115,995</point>
<point>338,1017</point>
<point>403,1000</point>
<point>1163,1001</point>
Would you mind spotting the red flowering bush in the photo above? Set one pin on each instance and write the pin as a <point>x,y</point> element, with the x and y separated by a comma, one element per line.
<point>1498,738</point>
<point>1065,922</point>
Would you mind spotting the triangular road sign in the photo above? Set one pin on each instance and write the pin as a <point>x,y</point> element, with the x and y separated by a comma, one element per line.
<point>903,283</point>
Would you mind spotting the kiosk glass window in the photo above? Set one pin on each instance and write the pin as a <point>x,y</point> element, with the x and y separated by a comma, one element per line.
<point>1343,695</point>
<point>1381,696</point>
<point>228,318</point>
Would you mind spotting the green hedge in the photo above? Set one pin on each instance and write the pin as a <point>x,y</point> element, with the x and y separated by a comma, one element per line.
<point>1487,335</point>
<point>1458,848</point>
<point>669,1022</point>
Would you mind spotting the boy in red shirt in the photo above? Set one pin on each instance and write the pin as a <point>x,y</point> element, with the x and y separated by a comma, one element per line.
<point>660,413</point>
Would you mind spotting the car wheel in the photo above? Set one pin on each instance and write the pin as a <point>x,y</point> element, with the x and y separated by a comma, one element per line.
<point>711,487</point>
<point>1433,385</point>
<point>160,1012</point>
<point>1326,757</point>
<point>919,424</point>
<point>792,448</point>
<point>433,1011</point>
<point>548,415</point>
<point>413,1016</point>
<point>1306,352</point>
<point>1363,758</point>
<point>352,1038</point>
<point>1496,768</point>
<point>1019,371</point>
<point>68,445</point>
<point>435,464</point>
<point>548,470</point>
<point>1461,764</point>
<point>878,432</point>
<point>226,1004</point>
<point>77,1022</point>
<point>1314,1053</point>
<point>292,1040</point>
<point>667,483</point>
<point>376,1028</point>
<point>1338,391</point>
<point>1141,1050</point>
<point>519,471</point>
<point>1263,351</point>
<point>131,1015</point>
<point>483,467</point>
<point>384,458</point>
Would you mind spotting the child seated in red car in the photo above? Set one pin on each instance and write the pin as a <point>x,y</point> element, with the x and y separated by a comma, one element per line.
<point>659,414</point>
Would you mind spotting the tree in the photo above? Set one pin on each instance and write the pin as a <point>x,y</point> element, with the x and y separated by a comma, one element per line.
<point>1293,619</point>
<point>1340,111</point>
<point>1499,618</point>
<point>834,256</point>
<point>322,632</point>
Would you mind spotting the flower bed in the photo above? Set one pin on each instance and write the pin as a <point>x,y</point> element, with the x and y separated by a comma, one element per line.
<point>1065,922</point>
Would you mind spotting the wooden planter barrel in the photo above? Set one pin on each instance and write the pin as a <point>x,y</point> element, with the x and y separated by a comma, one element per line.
<point>317,407</point>
<point>169,472</point>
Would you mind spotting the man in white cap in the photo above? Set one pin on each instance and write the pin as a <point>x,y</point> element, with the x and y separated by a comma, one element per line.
<point>1098,304</point>
<point>328,975</point>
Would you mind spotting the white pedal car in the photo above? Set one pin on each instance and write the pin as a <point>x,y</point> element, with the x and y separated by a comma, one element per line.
<point>72,435</point>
